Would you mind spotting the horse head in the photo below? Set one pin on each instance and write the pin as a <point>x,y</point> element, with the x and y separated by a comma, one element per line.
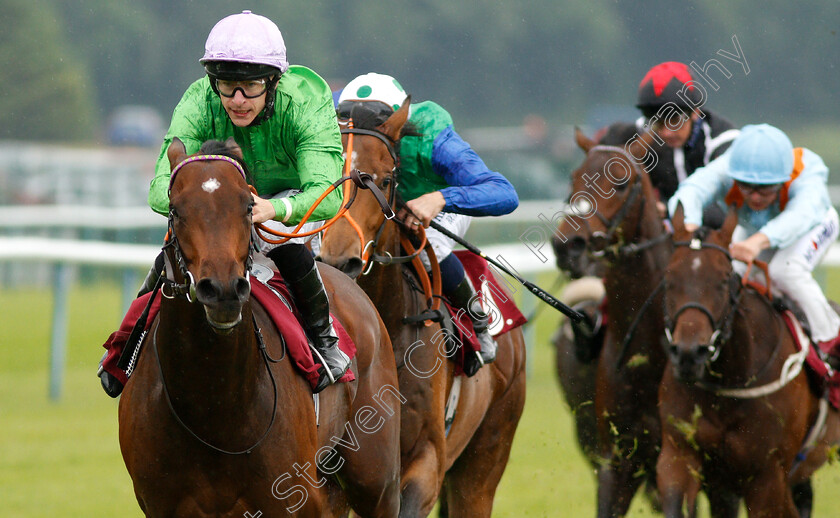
<point>351,242</point>
<point>210,229</point>
<point>612,203</point>
<point>701,296</point>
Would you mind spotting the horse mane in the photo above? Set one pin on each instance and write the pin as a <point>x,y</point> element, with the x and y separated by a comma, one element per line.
<point>227,148</point>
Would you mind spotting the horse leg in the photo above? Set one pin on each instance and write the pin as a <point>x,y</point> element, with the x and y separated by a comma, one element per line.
<point>616,486</point>
<point>677,476</point>
<point>770,496</point>
<point>421,481</point>
<point>722,503</point>
<point>471,482</point>
<point>803,498</point>
<point>577,382</point>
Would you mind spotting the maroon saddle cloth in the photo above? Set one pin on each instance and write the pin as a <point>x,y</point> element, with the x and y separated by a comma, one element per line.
<point>268,295</point>
<point>825,378</point>
<point>504,315</point>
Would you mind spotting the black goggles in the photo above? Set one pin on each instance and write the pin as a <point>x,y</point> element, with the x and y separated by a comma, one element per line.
<point>250,88</point>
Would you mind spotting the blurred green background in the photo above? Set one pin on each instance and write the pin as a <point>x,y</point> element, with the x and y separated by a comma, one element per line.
<point>62,459</point>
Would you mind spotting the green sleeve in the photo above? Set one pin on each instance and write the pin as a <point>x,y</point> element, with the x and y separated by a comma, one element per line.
<point>189,121</point>
<point>317,152</point>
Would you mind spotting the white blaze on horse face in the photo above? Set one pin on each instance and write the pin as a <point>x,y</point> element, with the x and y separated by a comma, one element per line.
<point>211,185</point>
<point>696,264</point>
<point>581,206</point>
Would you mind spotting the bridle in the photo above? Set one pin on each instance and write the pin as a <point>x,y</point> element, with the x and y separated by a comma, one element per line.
<point>722,326</point>
<point>368,252</point>
<point>604,243</point>
<point>187,288</point>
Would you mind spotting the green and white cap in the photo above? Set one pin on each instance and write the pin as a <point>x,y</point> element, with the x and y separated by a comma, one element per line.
<point>374,87</point>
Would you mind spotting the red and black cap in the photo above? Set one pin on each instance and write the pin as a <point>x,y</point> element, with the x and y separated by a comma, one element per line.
<point>666,83</point>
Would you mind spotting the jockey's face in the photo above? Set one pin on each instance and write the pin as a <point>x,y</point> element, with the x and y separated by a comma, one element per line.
<point>759,197</point>
<point>675,135</point>
<point>242,110</point>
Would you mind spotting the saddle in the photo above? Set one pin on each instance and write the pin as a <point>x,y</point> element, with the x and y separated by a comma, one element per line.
<point>268,290</point>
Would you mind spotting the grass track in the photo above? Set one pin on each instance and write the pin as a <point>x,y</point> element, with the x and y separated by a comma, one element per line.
<point>62,459</point>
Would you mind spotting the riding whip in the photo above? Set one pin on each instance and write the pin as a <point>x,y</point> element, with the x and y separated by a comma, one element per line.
<point>543,295</point>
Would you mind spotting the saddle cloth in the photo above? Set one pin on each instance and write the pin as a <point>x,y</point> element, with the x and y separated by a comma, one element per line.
<point>268,295</point>
<point>823,377</point>
<point>504,315</point>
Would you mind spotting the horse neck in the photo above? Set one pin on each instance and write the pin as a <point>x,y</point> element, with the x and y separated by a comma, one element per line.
<point>199,364</point>
<point>755,346</point>
<point>633,276</point>
<point>386,286</point>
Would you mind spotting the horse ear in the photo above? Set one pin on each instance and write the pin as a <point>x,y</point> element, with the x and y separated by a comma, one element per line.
<point>678,220</point>
<point>583,142</point>
<point>234,148</point>
<point>176,153</point>
<point>729,224</point>
<point>394,125</point>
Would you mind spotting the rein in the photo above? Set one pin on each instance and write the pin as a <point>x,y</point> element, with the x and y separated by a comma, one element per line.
<point>266,360</point>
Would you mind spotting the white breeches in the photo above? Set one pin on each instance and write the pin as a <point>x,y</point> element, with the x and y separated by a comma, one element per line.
<point>442,245</point>
<point>791,274</point>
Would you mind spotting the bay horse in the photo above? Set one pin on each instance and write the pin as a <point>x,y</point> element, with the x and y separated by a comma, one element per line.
<point>613,218</point>
<point>575,363</point>
<point>734,417</point>
<point>213,422</point>
<point>461,464</point>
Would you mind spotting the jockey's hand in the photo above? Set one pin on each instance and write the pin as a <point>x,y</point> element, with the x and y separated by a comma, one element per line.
<point>691,227</point>
<point>747,250</point>
<point>263,210</point>
<point>422,210</point>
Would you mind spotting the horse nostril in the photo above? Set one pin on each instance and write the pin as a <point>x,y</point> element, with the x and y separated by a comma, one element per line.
<point>208,291</point>
<point>577,246</point>
<point>242,289</point>
<point>352,267</point>
<point>673,351</point>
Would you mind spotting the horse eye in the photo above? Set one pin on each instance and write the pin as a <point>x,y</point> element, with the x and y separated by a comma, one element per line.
<point>386,182</point>
<point>250,209</point>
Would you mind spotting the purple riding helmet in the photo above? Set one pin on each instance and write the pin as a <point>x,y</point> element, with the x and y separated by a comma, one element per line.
<point>243,47</point>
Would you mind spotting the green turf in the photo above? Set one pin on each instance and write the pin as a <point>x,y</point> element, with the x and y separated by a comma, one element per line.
<point>62,459</point>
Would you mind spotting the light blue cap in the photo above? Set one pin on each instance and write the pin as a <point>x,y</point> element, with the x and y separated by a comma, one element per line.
<point>761,154</point>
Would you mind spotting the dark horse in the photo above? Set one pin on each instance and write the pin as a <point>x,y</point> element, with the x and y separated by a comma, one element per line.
<point>468,458</point>
<point>735,413</point>
<point>213,421</point>
<point>613,216</point>
<point>575,355</point>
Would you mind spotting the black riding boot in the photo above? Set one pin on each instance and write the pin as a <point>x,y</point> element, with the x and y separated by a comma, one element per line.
<point>152,277</point>
<point>110,384</point>
<point>463,297</point>
<point>311,299</point>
